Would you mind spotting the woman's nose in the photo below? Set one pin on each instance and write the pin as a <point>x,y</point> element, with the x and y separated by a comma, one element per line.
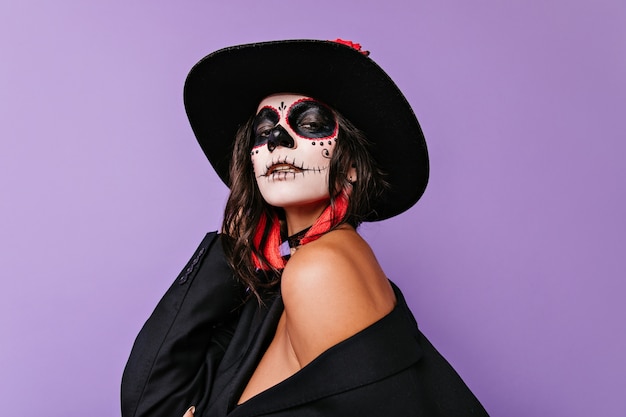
<point>279,137</point>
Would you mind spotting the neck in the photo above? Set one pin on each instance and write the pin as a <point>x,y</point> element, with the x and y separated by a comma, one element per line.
<point>300,217</point>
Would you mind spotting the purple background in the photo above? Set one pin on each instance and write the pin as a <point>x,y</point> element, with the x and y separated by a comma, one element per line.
<point>513,262</point>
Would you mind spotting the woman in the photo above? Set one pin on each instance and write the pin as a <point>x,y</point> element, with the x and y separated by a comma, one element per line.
<point>288,313</point>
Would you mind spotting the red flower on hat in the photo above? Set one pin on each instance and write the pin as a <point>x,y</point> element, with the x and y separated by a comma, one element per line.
<point>352,45</point>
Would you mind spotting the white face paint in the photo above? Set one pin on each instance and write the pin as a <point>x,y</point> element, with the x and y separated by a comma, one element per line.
<point>294,139</point>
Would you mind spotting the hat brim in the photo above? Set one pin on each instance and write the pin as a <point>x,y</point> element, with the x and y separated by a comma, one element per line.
<point>224,89</point>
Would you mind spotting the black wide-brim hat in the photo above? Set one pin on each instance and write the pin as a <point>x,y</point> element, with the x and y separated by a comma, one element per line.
<point>224,89</point>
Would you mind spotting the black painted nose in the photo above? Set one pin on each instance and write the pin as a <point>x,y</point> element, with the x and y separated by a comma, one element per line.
<point>279,137</point>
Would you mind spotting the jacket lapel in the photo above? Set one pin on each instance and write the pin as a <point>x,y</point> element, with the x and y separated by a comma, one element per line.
<point>264,326</point>
<point>380,350</point>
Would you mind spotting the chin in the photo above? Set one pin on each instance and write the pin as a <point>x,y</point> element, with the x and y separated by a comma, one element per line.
<point>289,194</point>
<point>291,200</point>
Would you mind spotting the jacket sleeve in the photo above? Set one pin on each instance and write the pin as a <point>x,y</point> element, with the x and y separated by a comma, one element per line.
<point>184,338</point>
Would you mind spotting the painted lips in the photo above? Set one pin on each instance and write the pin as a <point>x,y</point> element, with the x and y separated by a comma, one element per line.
<point>282,169</point>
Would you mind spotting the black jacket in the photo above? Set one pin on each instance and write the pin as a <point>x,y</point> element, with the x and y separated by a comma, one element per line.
<point>202,344</point>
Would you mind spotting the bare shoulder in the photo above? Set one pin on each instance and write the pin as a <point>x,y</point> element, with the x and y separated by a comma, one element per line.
<point>332,288</point>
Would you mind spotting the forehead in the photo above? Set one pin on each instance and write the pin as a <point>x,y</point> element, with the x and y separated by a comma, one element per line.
<point>275,100</point>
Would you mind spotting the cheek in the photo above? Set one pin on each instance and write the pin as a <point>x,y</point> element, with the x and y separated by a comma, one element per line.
<point>318,151</point>
<point>256,157</point>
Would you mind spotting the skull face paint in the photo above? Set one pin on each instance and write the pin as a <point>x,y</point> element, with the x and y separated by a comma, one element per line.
<point>294,138</point>
<point>306,117</point>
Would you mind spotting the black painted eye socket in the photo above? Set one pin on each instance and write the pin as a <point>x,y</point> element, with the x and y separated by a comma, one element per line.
<point>263,124</point>
<point>311,119</point>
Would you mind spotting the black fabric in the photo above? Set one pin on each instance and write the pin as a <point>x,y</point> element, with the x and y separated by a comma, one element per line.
<point>387,369</point>
<point>180,345</point>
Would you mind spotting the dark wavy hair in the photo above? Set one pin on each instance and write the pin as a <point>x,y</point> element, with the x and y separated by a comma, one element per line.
<point>245,205</point>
